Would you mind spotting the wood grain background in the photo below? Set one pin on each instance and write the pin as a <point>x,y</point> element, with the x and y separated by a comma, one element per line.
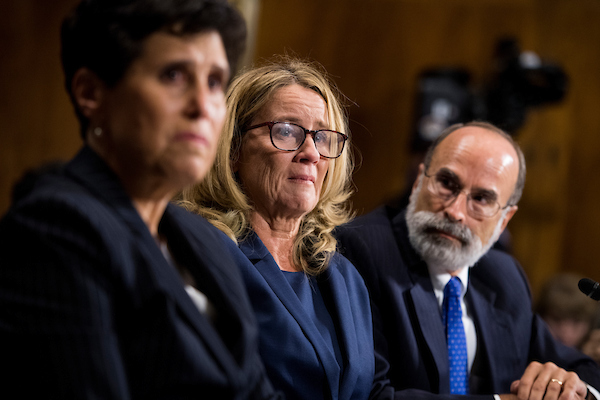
<point>374,50</point>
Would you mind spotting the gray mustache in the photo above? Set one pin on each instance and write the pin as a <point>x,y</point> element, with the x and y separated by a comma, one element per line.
<point>452,228</point>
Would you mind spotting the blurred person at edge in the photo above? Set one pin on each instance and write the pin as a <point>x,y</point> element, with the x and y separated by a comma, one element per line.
<point>572,317</point>
<point>591,344</point>
<point>568,313</point>
<point>277,190</point>
<point>106,289</point>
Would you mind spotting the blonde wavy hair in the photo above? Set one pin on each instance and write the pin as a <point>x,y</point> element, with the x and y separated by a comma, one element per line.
<point>220,197</point>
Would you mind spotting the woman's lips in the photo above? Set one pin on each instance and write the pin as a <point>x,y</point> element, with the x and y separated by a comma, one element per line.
<point>191,137</point>
<point>303,178</point>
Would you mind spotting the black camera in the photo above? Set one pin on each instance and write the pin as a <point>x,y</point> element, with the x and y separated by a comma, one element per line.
<point>519,82</point>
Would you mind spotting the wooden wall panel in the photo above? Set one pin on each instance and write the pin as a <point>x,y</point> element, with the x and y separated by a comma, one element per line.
<point>575,31</point>
<point>374,50</point>
<point>556,226</point>
<point>37,123</point>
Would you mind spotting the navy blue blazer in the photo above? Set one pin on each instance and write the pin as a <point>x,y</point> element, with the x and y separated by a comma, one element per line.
<point>297,359</point>
<point>90,308</point>
<point>408,330</point>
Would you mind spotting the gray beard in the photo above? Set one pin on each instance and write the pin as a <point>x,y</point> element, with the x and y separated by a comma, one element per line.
<point>443,255</point>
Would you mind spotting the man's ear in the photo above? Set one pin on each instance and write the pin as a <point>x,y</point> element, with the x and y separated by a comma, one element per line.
<point>511,211</point>
<point>418,178</point>
<point>88,91</point>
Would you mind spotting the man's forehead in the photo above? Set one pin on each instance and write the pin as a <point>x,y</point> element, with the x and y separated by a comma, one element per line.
<point>474,151</point>
<point>474,142</point>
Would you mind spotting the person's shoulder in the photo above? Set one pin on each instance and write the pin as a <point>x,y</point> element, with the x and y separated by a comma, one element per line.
<point>35,178</point>
<point>58,220</point>
<point>374,233</point>
<point>500,261</point>
<point>350,286</point>
<point>207,236</point>
<point>501,270</point>
<point>192,220</point>
<point>214,246</point>
<point>347,270</point>
<point>365,228</point>
<point>232,248</point>
<point>379,217</point>
<point>340,265</point>
<point>55,198</point>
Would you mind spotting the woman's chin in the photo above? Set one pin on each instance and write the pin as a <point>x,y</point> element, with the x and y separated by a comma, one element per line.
<point>301,207</point>
<point>194,170</point>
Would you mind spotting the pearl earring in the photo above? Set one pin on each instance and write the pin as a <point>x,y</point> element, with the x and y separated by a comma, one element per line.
<point>97,131</point>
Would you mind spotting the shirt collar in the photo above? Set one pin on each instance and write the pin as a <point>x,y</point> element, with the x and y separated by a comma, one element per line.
<point>439,282</point>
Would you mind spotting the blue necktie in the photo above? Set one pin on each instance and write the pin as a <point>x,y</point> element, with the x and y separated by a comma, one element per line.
<point>455,334</point>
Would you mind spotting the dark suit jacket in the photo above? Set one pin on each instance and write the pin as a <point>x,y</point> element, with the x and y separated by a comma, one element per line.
<point>298,360</point>
<point>408,328</point>
<point>90,308</point>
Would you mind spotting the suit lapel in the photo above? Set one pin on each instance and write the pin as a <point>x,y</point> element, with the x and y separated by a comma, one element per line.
<point>264,263</point>
<point>94,174</point>
<point>194,238</point>
<point>333,287</point>
<point>493,327</point>
<point>430,324</point>
<point>426,308</point>
<point>195,245</point>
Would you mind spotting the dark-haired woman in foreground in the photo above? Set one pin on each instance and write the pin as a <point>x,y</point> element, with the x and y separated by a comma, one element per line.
<point>107,290</point>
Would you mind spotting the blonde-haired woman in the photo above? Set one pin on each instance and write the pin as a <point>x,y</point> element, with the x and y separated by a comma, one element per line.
<point>278,188</point>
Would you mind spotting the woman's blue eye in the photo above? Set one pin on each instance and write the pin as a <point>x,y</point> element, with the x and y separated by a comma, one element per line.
<point>321,137</point>
<point>285,131</point>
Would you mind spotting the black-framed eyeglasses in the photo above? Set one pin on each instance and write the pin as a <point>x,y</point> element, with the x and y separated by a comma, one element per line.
<point>288,136</point>
<point>480,204</point>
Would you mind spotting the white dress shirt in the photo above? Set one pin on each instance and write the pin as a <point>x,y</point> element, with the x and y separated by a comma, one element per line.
<point>200,300</point>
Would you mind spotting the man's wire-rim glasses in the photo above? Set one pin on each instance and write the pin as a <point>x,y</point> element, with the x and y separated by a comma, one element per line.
<point>480,204</point>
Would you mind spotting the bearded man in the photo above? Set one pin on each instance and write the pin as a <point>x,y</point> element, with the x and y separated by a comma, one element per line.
<point>451,316</point>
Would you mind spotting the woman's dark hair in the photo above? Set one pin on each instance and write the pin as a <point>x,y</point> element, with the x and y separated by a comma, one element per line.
<point>106,36</point>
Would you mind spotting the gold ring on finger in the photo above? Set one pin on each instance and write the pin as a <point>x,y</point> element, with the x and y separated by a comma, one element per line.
<point>557,381</point>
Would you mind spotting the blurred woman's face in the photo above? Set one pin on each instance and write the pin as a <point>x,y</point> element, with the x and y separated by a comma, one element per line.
<point>163,119</point>
<point>284,184</point>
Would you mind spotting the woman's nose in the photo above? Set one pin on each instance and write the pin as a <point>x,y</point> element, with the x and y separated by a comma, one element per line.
<point>308,151</point>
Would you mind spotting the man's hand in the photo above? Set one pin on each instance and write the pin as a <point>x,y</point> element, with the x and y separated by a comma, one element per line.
<point>548,382</point>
